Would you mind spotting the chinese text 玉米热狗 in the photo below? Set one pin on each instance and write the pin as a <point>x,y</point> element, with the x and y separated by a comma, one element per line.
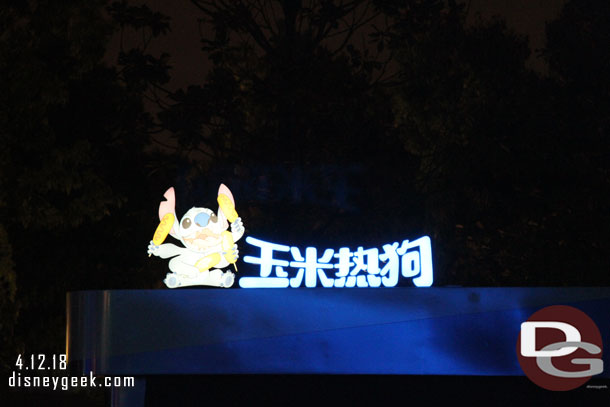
<point>341,268</point>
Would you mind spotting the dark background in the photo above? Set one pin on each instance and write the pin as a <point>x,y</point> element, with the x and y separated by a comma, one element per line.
<point>360,122</point>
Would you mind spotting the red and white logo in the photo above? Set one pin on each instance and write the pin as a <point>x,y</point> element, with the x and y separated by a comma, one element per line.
<point>559,348</point>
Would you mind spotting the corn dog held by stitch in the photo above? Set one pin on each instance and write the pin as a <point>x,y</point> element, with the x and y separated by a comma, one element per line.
<point>227,247</point>
<point>227,207</point>
<point>166,224</point>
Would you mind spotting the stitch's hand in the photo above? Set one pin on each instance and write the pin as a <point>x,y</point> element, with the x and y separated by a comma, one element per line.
<point>237,228</point>
<point>232,254</point>
<point>235,252</point>
<point>152,249</point>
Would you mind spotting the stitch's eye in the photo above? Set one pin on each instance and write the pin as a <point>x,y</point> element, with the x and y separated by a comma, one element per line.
<point>186,223</point>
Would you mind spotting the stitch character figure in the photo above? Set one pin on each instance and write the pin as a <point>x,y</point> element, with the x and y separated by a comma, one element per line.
<point>208,245</point>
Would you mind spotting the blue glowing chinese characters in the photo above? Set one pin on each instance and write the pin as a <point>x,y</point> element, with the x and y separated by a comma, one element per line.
<point>341,268</point>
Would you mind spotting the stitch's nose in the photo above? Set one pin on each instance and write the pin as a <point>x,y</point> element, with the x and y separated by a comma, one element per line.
<point>202,219</point>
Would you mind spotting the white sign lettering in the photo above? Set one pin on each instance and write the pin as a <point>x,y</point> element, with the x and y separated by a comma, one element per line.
<point>341,268</point>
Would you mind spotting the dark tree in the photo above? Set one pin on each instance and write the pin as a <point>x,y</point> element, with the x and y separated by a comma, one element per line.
<point>497,169</point>
<point>578,55</point>
<point>294,89</point>
<point>73,179</point>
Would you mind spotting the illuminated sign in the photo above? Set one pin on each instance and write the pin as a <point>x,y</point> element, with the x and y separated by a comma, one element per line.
<point>209,247</point>
<point>341,268</point>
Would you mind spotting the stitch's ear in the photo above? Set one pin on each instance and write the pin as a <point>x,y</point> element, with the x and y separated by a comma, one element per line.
<point>169,206</point>
<point>223,189</point>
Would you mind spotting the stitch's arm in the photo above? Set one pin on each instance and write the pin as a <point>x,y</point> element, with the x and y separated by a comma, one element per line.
<point>237,229</point>
<point>166,250</point>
